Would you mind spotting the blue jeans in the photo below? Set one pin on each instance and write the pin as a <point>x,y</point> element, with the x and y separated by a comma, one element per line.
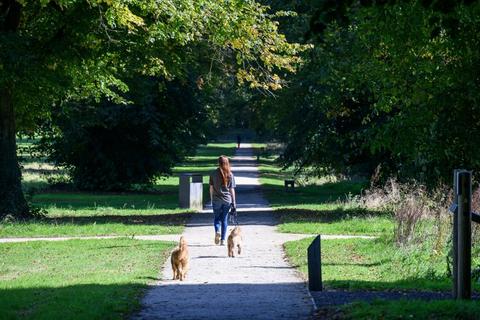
<point>220,213</point>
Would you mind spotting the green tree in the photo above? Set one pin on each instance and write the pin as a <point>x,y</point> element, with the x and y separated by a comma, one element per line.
<point>390,83</point>
<point>109,147</point>
<point>52,52</point>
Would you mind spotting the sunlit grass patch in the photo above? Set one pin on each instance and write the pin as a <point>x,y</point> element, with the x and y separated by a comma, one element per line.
<point>77,279</point>
<point>334,219</point>
<point>97,225</point>
<point>375,264</point>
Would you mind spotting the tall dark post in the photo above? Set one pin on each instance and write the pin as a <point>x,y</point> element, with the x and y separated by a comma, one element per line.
<point>315,265</point>
<point>464,234</point>
<point>455,233</point>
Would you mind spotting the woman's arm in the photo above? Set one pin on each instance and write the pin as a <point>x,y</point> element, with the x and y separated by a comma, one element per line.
<point>232,192</point>
<point>211,194</point>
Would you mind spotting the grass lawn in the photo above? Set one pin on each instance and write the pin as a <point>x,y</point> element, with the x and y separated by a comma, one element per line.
<point>334,219</point>
<point>318,206</point>
<point>154,211</point>
<point>79,214</point>
<point>77,279</point>
<point>413,309</point>
<point>376,264</point>
<point>86,224</point>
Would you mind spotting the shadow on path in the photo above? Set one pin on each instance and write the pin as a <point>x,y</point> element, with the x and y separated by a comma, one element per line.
<point>244,301</point>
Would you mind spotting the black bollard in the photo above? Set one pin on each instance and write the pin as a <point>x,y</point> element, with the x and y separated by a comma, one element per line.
<point>464,235</point>
<point>315,265</point>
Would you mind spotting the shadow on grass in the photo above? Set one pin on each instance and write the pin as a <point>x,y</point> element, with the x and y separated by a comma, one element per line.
<point>50,171</point>
<point>361,264</point>
<point>197,163</point>
<point>143,245</point>
<point>25,159</point>
<point>165,198</point>
<point>159,220</point>
<point>270,161</point>
<point>215,150</point>
<point>326,216</point>
<point>419,283</point>
<point>312,194</point>
<point>378,291</point>
<point>205,171</point>
<point>89,301</point>
<point>411,288</point>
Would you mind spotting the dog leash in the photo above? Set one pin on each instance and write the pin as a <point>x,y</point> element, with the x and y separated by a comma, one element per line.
<point>233,216</point>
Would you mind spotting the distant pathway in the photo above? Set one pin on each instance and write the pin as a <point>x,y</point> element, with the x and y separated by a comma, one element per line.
<point>260,284</point>
<point>172,237</point>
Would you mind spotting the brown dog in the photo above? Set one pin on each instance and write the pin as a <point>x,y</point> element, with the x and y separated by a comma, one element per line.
<point>234,241</point>
<point>180,260</point>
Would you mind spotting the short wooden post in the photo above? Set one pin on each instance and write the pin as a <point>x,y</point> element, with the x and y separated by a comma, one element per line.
<point>289,185</point>
<point>464,234</point>
<point>315,265</point>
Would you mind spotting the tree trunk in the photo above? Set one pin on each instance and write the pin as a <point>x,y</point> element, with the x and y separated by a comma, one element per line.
<point>12,200</point>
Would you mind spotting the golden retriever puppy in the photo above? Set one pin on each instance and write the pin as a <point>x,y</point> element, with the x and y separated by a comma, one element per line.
<point>235,241</point>
<point>180,260</point>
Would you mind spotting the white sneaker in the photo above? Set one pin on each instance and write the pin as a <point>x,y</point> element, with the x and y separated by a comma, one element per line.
<point>222,243</point>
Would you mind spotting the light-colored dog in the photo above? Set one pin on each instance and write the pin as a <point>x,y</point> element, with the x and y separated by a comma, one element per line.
<point>234,242</point>
<point>180,260</point>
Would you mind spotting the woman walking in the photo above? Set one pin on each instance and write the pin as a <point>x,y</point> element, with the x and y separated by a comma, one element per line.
<point>222,196</point>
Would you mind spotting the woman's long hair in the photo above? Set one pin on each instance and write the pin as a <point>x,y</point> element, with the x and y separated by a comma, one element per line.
<point>225,171</point>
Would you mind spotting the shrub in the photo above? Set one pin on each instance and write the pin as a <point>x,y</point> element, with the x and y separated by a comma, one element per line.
<point>423,222</point>
<point>408,214</point>
<point>411,204</point>
<point>106,146</point>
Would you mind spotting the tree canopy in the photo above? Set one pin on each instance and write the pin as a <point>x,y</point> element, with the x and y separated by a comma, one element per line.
<point>77,49</point>
<point>56,52</point>
<point>390,85</point>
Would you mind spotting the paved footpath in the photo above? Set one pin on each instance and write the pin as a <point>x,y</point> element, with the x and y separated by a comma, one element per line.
<point>259,284</point>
